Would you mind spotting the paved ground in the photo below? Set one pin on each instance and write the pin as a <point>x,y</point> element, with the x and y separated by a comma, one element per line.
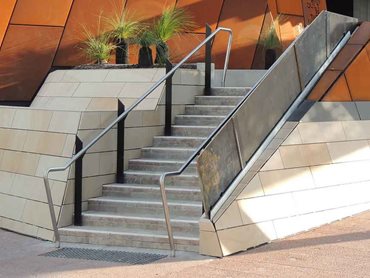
<point>341,249</point>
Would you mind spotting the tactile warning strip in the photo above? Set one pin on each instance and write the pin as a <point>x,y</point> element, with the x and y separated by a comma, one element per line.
<point>105,255</point>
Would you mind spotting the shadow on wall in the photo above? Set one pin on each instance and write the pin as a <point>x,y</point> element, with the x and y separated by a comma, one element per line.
<point>19,77</point>
<point>25,59</point>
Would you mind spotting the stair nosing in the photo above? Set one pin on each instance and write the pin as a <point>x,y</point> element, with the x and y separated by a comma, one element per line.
<point>156,187</point>
<point>219,96</point>
<point>149,218</point>
<point>97,231</point>
<point>231,88</point>
<point>201,116</point>
<point>211,106</point>
<point>159,160</point>
<point>168,148</point>
<point>194,126</point>
<point>154,173</point>
<point>180,137</point>
<point>139,201</point>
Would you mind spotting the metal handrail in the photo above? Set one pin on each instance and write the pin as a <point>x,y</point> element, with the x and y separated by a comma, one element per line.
<point>122,117</point>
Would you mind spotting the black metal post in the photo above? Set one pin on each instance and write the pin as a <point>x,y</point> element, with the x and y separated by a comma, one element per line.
<point>120,144</point>
<point>208,62</point>
<point>168,105</point>
<point>78,184</point>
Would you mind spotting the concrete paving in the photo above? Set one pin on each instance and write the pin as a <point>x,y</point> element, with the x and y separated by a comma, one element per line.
<point>341,249</point>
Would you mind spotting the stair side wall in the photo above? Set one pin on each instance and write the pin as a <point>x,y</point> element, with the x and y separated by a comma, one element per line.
<point>31,141</point>
<point>71,103</point>
<point>319,174</point>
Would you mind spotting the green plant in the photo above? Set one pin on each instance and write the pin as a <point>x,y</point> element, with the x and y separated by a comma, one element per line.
<point>172,22</point>
<point>146,38</point>
<point>124,29</point>
<point>269,38</point>
<point>123,26</point>
<point>97,48</point>
<point>271,43</point>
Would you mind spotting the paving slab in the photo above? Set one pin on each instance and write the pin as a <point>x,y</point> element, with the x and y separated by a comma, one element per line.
<point>340,249</point>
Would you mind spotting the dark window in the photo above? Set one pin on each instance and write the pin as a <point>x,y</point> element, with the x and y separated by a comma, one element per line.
<point>344,7</point>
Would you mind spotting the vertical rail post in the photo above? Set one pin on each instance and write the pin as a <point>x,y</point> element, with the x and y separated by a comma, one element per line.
<point>78,185</point>
<point>120,144</point>
<point>168,105</point>
<point>208,62</point>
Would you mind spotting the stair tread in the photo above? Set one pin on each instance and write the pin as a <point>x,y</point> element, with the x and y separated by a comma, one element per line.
<point>219,96</point>
<point>137,216</point>
<point>211,106</point>
<point>194,126</point>
<point>151,187</point>
<point>180,137</point>
<point>127,232</point>
<point>144,201</point>
<point>155,173</point>
<point>168,149</point>
<point>231,88</point>
<point>200,116</point>
<point>159,160</point>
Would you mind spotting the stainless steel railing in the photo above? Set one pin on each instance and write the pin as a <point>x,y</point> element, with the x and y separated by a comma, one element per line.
<point>122,117</point>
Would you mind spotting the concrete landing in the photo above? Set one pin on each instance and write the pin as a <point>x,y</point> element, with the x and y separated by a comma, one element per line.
<point>341,249</point>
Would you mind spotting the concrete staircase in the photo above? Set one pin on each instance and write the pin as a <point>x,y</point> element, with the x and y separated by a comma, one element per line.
<point>131,214</point>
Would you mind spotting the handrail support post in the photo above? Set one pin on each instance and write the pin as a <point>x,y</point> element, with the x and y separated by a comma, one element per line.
<point>208,62</point>
<point>167,214</point>
<point>168,105</point>
<point>78,185</point>
<point>120,144</point>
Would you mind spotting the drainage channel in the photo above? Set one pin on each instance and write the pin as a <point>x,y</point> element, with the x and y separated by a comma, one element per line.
<point>131,258</point>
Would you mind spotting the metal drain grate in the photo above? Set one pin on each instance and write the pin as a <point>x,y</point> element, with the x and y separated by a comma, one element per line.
<point>105,255</point>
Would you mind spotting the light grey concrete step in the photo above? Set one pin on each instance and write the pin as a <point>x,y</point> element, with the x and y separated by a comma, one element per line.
<point>197,131</point>
<point>183,226</point>
<point>217,100</point>
<point>140,206</point>
<point>142,177</point>
<point>198,120</point>
<point>177,141</point>
<point>139,191</point>
<point>167,153</point>
<point>230,91</point>
<point>113,236</point>
<point>156,165</point>
<point>216,110</point>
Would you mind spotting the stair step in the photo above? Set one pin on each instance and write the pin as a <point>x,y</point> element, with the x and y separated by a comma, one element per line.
<point>139,191</point>
<point>145,177</point>
<point>198,120</point>
<point>184,130</point>
<point>117,236</point>
<point>154,207</point>
<point>157,165</point>
<point>217,100</point>
<point>216,110</point>
<point>230,91</point>
<point>167,153</point>
<point>177,141</point>
<point>131,214</point>
<point>189,226</point>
